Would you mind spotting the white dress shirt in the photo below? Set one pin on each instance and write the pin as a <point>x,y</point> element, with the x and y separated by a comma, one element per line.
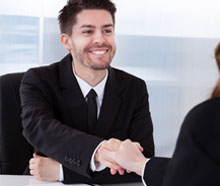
<point>142,176</point>
<point>99,89</point>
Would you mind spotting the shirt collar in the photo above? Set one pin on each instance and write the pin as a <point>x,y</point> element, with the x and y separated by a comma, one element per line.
<point>85,87</point>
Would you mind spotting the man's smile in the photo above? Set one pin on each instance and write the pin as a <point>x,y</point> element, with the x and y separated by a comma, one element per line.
<point>99,51</point>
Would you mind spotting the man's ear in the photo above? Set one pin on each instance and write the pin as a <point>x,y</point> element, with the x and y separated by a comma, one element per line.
<point>65,40</point>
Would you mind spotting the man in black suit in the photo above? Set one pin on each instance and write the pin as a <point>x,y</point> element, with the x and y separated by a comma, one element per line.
<point>196,159</point>
<point>61,102</point>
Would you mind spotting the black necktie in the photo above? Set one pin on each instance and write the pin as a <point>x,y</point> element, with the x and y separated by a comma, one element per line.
<point>92,110</point>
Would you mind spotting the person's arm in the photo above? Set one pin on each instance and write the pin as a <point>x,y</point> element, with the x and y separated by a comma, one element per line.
<point>47,134</point>
<point>45,168</point>
<point>155,170</point>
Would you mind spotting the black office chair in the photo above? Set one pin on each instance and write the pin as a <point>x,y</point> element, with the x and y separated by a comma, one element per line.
<point>15,151</point>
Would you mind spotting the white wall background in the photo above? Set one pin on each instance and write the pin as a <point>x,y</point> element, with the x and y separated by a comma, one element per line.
<point>168,43</point>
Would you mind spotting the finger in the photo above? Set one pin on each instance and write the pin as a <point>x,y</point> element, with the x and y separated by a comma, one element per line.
<point>113,171</point>
<point>111,165</point>
<point>32,161</point>
<point>139,146</point>
<point>121,171</point>
<point>128,171</point>
<point>36,155</point>
<point>32,167</point>
<point>33,172</point>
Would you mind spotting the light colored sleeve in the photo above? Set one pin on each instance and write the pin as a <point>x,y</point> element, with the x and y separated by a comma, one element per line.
<point>96,166</point>
<point>61,172</point>
<point>142,177</point>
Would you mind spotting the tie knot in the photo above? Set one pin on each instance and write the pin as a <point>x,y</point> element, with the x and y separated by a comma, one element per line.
<point>92,94</point>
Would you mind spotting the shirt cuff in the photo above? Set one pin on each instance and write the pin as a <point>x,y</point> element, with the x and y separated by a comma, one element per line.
<point>94,165</point>
<point>61,172</point>
<point>142,177</point>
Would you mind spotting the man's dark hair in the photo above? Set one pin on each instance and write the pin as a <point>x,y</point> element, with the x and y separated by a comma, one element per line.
<point>216,91</point>
<point>67,16</point>
<point>217,55</point>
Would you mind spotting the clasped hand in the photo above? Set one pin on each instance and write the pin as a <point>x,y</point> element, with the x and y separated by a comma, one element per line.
<point>125,155</point>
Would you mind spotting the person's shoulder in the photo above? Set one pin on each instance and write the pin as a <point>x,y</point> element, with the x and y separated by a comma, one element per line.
<point>50,70</point>
<point>45,69</point>
<point>208,107</point>
<point>46,73</point>
<point>204,117</point>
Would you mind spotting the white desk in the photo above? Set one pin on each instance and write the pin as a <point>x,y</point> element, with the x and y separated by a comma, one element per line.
<point>12,180</point>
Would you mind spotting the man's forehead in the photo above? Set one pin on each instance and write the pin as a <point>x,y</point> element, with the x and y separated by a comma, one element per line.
<point>94,18</point>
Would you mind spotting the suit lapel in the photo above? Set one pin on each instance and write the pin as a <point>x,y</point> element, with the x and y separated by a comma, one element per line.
<point>110,106</point>
<point>72,94</point>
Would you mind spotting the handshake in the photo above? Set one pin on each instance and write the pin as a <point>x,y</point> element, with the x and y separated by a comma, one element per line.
<point>121,156</point>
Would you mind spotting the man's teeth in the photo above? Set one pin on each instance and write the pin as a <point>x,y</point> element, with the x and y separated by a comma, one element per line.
<point>99,52</point>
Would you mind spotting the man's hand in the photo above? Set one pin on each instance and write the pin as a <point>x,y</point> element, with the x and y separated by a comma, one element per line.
<point>128,156</point>
<point>112,145</point>
<point>44,168</point>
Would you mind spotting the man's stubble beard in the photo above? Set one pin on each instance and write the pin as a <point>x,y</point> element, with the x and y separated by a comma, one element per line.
<point>89,63</point>
<point>94,67</point>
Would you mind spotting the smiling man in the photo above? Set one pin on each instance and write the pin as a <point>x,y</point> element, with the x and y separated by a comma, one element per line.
<point>74,108</point>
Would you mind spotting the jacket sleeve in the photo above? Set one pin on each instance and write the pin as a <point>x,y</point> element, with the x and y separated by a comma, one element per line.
<point>47,134</point>
<point>155,170</point>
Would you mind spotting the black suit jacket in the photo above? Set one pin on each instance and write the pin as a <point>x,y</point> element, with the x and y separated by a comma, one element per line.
<point>54,117</point>
<point>196,160</point>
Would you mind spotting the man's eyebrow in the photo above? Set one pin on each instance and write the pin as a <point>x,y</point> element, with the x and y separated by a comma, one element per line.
<point>108,25</point>
<point>87,26</point>
<point>93,26</point>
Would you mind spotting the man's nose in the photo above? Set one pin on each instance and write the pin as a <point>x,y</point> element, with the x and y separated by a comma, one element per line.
<point>99,38</point>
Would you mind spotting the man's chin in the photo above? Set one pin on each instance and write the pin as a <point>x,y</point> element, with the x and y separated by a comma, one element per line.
<point>95,67</point>
<point>100,66</point>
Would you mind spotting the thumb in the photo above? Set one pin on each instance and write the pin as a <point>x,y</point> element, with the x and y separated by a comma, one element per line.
<point>35,155</point>
<point>139,146</point>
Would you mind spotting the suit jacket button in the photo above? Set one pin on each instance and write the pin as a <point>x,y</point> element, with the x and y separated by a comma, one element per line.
<point>66,159</point>
<point>71,161</point>
<point>78,163</point>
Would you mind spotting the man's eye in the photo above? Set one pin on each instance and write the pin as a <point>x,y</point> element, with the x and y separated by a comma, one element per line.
<point>107,31</point>
<point>87,32</point>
